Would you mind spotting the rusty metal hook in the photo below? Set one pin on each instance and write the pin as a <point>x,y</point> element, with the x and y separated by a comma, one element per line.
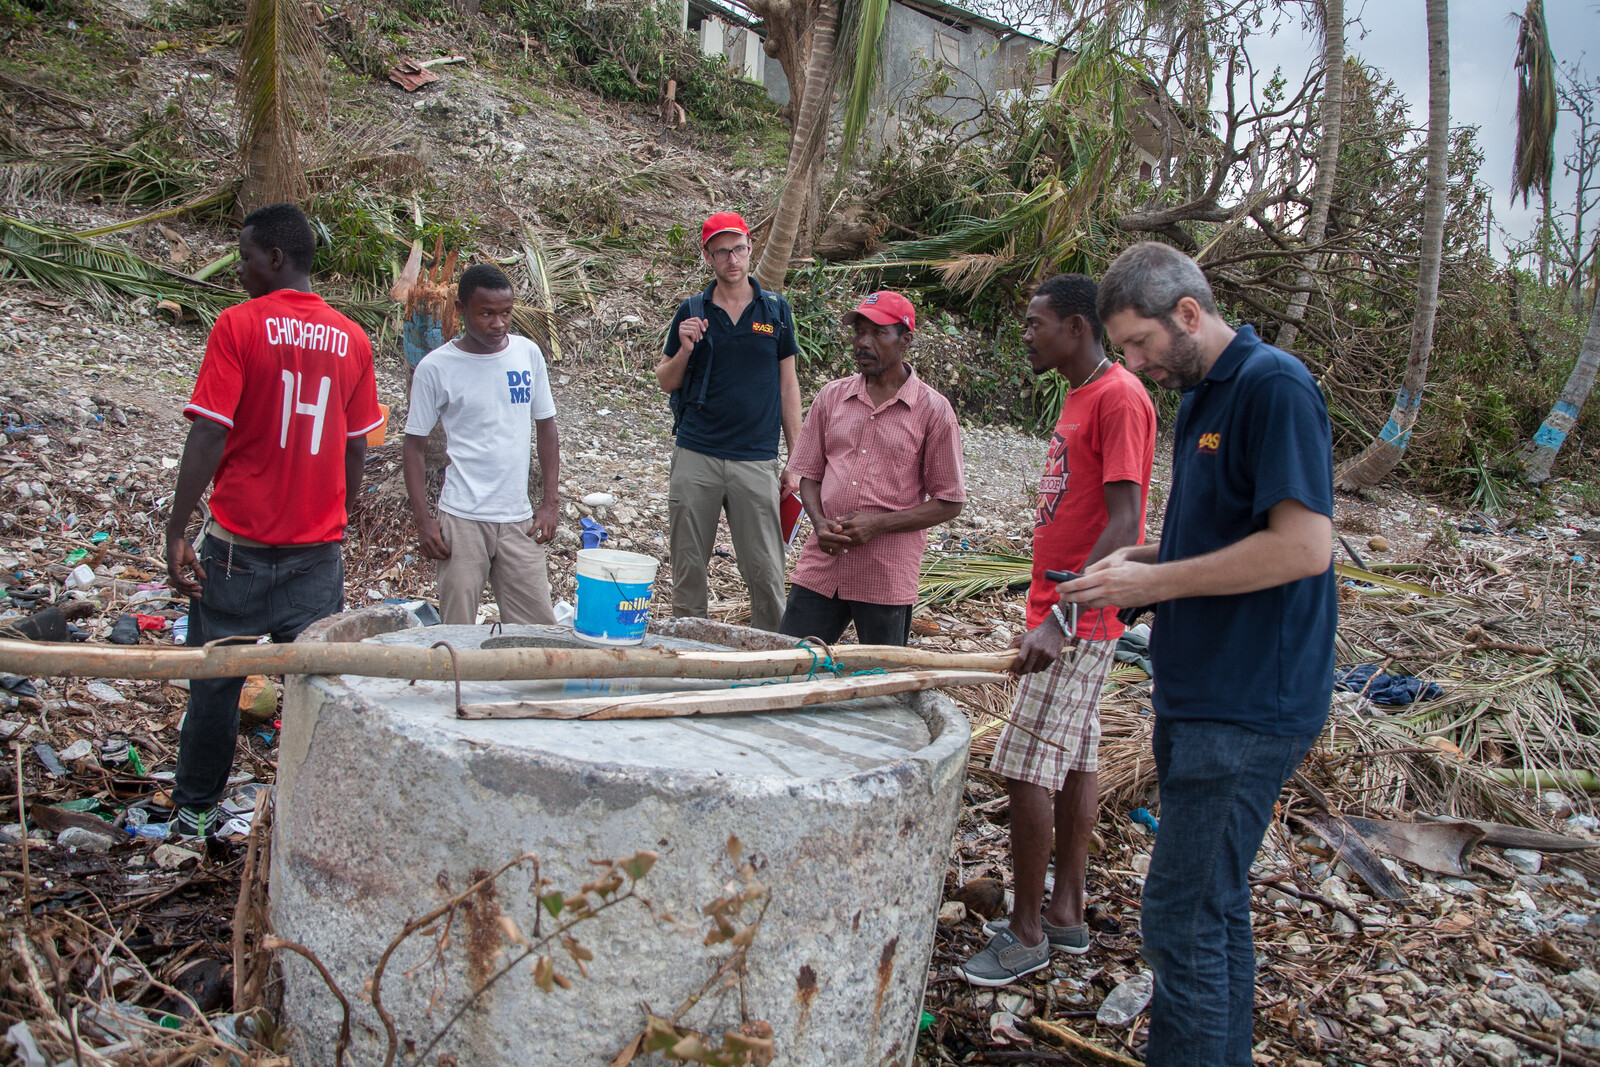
<point>455,668</point>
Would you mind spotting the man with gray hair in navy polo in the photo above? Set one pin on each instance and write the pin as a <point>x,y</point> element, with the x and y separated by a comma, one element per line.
<point>1242,645</point>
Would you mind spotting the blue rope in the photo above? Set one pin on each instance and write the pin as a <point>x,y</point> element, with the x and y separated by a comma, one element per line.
<point>822,663</point>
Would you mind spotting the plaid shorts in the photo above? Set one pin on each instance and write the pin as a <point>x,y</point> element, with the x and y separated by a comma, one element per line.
<point>1055,722</point>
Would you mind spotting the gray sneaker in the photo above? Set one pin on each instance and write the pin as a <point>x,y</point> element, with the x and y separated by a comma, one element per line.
<point>1070,939</point>
<point>1005,959</point>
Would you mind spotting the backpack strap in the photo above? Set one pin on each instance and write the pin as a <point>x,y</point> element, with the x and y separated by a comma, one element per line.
<point>697,308</point>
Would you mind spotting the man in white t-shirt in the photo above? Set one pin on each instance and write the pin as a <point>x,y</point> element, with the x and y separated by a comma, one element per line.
<point>488,386</point>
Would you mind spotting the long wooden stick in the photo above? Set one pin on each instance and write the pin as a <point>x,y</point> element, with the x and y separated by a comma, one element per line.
<point>475,664</point>
<point>779,697</point>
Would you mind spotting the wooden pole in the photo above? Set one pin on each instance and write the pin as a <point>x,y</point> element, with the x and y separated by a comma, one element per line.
<point>780,697</point>
<point>472,664</point>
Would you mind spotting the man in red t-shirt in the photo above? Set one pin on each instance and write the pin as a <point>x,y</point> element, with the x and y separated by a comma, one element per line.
<point>1091,501</point>
<point>280,414</point>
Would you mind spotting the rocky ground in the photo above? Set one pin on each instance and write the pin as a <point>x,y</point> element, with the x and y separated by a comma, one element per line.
<point>1461,971</point>
<point>1491,963</point>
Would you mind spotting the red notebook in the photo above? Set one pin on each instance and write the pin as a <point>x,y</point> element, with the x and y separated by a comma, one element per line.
<point>789,510</point>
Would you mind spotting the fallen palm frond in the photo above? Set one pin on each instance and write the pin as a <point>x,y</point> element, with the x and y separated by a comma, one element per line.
<point>137,173</point>
<point>376,153</point>
<point>107,276</point>
<point>102,275</point>
<point>219,199</point>
<point>1044,231</point>
<point>1357,574</point>
<point>952,578</point>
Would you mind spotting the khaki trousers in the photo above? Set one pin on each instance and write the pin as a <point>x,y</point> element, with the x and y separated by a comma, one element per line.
<point>501,554</point>
<point>700,489</point>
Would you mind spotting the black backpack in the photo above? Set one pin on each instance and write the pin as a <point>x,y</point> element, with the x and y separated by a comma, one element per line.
<point>680,399</point>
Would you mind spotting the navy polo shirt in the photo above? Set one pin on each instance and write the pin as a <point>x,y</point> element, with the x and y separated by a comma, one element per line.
<point>1252,434</point>
<point>743,410</point>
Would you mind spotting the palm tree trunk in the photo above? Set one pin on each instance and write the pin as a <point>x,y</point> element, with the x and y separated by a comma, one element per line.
<point>805,150</point>
<point>1541,451</point>
<point>1327,164</point>
<point>1383,454</point>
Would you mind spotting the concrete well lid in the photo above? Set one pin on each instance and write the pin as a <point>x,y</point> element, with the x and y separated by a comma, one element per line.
<point>829,741</point>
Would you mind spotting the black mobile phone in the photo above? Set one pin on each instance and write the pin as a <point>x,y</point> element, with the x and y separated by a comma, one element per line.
<point>1061,576</point>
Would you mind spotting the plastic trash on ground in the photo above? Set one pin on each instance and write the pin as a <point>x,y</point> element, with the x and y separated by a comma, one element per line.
<point>1125,1002</point>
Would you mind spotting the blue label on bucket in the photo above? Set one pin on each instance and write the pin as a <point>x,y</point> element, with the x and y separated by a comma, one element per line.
<point>614,611</point>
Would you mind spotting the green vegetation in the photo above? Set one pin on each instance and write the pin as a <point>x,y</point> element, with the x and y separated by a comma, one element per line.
<point>627,51</point>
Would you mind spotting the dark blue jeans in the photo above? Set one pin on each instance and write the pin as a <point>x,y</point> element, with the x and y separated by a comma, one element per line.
<point>1218,783</point>
<point>246,592</point>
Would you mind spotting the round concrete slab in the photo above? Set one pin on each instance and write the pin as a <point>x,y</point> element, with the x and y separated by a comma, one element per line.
<point>387,804</point>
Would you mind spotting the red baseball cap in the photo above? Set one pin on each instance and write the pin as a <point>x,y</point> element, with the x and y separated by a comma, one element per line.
<point>722,222</point>
<point>884,307</point>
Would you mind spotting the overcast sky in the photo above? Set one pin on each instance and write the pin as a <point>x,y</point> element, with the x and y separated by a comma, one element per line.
<point>1392,35</point>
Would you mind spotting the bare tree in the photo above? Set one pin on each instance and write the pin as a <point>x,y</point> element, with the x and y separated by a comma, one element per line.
<point>1383,454</point>
<point>1579,98</point>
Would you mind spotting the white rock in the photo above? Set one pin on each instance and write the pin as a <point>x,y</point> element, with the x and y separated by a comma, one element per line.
<point>1531,1000</point>
<point>1367,1004</point>
<point>952,912</point>
<point>1498,1051</point>
<point>1426,1041</point>
<point>1583,982</point>
<point>1586,1034</point>
<point>1523,860</point>
<point>599,500</point>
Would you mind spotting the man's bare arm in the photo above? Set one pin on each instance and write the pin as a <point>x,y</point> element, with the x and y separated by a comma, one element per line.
<point>1294,545</point>
<point>202,454</point>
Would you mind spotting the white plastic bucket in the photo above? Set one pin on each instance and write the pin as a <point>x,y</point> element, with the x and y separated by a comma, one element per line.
<point>614,591</point>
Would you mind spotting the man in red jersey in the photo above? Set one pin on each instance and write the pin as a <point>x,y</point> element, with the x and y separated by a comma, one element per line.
<point>1091,502</point>
<point>280,414</point>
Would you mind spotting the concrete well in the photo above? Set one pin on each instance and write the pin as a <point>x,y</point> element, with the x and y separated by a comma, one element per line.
<point>387,805</point>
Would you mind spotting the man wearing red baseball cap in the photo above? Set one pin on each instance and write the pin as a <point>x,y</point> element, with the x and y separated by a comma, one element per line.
<point>728,367</point>
<point>879,461</point>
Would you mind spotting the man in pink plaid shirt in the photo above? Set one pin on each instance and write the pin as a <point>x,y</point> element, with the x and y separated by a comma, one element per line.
<point>879,460</point>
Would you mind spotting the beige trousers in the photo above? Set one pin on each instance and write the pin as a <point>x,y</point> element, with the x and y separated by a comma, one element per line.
<point>500,554</point>
<point>700,489</point>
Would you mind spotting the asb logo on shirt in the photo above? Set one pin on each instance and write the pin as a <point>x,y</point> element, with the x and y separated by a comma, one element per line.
<point>1209,443</point>
<point>762,327</point>
<point>521,384</point>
